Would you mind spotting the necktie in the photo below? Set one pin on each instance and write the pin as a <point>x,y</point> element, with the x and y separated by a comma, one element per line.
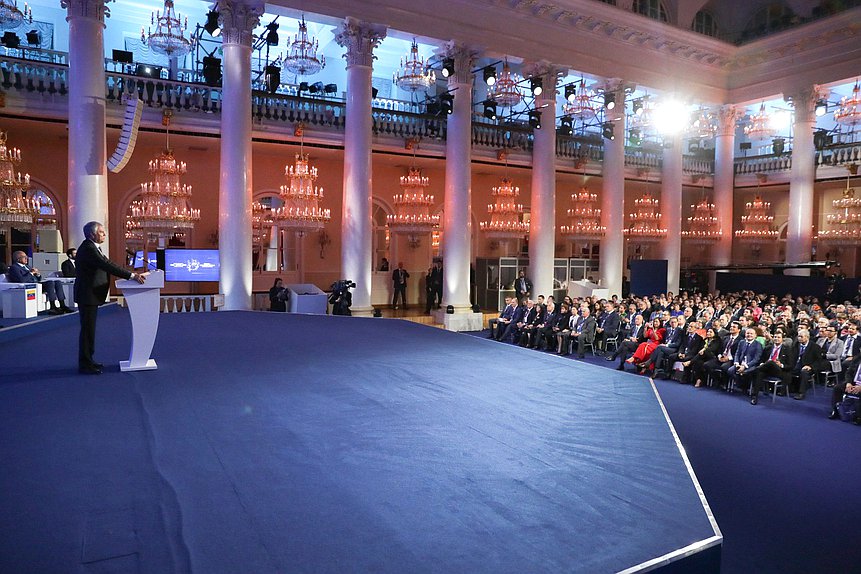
<point>801,354</point>
<point>775,352</point>
<point>848,346</point>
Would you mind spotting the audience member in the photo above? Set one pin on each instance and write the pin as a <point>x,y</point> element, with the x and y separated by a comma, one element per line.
<point>19,272</point>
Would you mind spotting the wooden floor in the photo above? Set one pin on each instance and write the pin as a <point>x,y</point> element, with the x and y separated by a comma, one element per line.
<point>417,314</point>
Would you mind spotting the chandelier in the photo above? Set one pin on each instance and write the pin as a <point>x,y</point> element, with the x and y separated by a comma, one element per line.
<point>580,105</point>
<point>412,215</point>
<point>757,222</point>
<point>169,36</point>
<point>584,217</point>
<point>505,91</point>
<point>134,234</point>
<point>849,111</point>
<point>645,221</point>
<point>16,203</point>
<point>846,222</point>
<point>11,16</point>
<point>413,76</point>
<point>301,211</point>
<point>261,221</point>
<point>759,126</point>
<point>703,124</point>
<point>506,215</point>
<point>302,59</point>
<point>703,226</point>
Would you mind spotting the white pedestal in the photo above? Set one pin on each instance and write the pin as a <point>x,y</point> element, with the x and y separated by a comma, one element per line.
<point>20,302</point>
<point>144,304</point>
<point>307,298</point>
<point>68,290</point>
<point>459,321</point>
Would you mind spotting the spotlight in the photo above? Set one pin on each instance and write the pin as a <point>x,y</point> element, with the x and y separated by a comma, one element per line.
<point>570,92</point>
<point>490,109</point>
<point>272,34</point>
<point>147,71</point>
<point>34,38</point>
<point>330,88</point>
<point>821,107</point>
<point>212,71</point>
<point>446,103</point>
<point>374,92</point>
<point>565,126</point>
<point>535,119</point>
<point>637,106</point>
<point>609,100</point>
<point>536,85</point>
<point>433,108</point>
<point>212,26</point>
<point>489,75</point>
<point>607,130</point>
<point>11,39</point>
<point>273,78</point>
<point>778,146</point>
<point>820,139</point>
<point>316,88</point>
<point>635,138</point>
<point>447,67</point>
<point>303,87</point>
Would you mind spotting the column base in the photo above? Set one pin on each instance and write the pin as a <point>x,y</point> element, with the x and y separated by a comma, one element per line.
<point>463,319</point>
<point>362,311</point>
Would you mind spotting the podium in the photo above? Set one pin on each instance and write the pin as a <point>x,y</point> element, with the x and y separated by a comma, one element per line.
<point>143,302</point>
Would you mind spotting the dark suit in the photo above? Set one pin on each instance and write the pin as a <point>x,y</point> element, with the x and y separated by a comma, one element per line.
<point>18,273</point>
<point>68,268</point>
<point>399,282</point>
<point>851,353</point>
<point>633,337</point>
<point>748,354</point>
<point>91,290</point>
<point>810,358</point>
<point>669,347</point>
<point>770,368</point>
<point>609,323</point>
<point>522,286</point>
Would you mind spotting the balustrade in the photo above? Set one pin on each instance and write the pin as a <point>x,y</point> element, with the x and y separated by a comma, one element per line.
<point>762,164</point>
<point>843,154</point>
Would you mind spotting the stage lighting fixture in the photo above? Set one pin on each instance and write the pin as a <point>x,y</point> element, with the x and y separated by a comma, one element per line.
<point>330,88</point>
<point>273,78</point>
<point>570,92</point>
<point>447,67</point>
<point>609,100</point>
<point>272,34</point>
<point>11,39</point>
<point>122,56</point>
<point>147,71</point>
<point>212,26</point>
<point>316,88</point>
<point>637,106</point>
<point>490,109</point>
<point>212,71</point>
<point>607,130</point>
<point>432,108</point>
<point>303,87</point>
<point>446,103</point>
<point>821,108</point>
<point>374,92</point>
<point>778,145</point>
<point>535,119</point>
<point>449,309</point>
<point>34,38</point>
<point>536,85</point>
<point>634,137</point>
<point>565,126</point>
<point>489,75</point>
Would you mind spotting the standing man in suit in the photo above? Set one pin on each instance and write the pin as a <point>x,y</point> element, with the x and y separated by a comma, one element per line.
<point>19,272</point>
<point>399,283</point>
<point>522,286</point>
<point>68,266</point>
<point>91,290</point>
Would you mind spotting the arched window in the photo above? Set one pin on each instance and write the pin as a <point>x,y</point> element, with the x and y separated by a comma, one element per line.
<point>704,23</point>
<point>652,9</point>
<point>381,237</point>
<point>269,252</point>
<point>769,19</point>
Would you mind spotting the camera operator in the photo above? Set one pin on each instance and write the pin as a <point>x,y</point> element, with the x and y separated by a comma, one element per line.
<point>341,298</point>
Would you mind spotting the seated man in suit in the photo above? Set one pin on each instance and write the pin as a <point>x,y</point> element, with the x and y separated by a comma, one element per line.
<point>635,335</point>
<point>498,324</point>
<point>528,334</point>
<point>851,352</point>
<point>847,388</point>
<point>777,361</point>
<point>538,336</point>
<point>746,359</point>
<point>584,332</point>
<point>20,273</point>
<point>552,330</point>
<point>725,360</point>
<point>524,314</point>
<point>690,345</point>
<point>832,349</point>
<point>68,266</point>
<point>807,359</point>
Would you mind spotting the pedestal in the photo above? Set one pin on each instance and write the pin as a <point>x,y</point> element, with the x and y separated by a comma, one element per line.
<point>20,302</point>
<point>468,321</point>
<point>143,302</point>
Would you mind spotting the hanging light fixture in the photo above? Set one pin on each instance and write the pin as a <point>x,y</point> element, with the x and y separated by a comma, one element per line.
<point>412,215</point>
<point>760,126</point>
<point>506,215</point>
<point>163,208</point>
<point>580,104</point>
<point>505,91</point>
<point>12,17</point>
<point>703,124</point>
<point>302,59</point>
<point>301,211</point>
<point>846,222</point>
<point>413,74</point>
<point>584,217</point>
<point>169,36</point>
<point>703,225</point>
<point>17,205</point>
<point>645,221</point>
<point>848,113</point>
<point>757,223</point>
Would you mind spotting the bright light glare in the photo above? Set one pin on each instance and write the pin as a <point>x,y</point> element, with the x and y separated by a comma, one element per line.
<point>781,120</point>
<point>670,117</point>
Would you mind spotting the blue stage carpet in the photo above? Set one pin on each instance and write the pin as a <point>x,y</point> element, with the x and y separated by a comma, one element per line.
<point>280,443</point>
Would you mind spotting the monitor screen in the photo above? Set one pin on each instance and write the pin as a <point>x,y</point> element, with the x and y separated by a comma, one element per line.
<point>191,265</point>
<point>139,261</point>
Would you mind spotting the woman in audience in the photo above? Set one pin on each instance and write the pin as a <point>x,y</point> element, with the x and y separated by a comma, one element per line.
<point>278,296</point>
<point>655,336</point>
<point>711,349</point>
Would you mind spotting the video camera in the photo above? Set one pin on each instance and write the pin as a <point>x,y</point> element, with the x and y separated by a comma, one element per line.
<point>341,298</point>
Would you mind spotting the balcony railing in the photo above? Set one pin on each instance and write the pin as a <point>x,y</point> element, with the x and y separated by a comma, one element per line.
<point>839,155</point>
<point>762,164</point>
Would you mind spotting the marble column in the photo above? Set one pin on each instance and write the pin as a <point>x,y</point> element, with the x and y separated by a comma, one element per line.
<point>234,192</point>
<point>542,214</point>
<point>671,209</point>
<point>724,182</point>
<point>799,232</point>
<point>359,39</point>
<point>612,262</point>
<point>456,226</point>
<point>88,171</point>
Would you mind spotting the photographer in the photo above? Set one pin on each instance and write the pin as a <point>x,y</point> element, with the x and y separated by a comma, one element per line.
<point>278,296</point>
<point>341,298</point>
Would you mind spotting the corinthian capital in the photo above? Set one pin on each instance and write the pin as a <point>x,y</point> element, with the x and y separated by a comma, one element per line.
<point>728,117</point>
<point>464,59</point>
<point>804,101</point>
<point>547,73</point>
<point>360,39</point>
<point>238,20</point>
<point>95,9</point>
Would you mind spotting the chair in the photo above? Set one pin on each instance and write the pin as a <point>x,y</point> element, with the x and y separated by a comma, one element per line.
<point>829,377</point>
<point>614,340</point>
<point>777,383</point>
<point>715,375</point>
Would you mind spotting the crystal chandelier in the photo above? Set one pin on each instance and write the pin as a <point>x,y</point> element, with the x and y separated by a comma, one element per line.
<point>413,76</point>
<point>261,221</point>
<point>16,203</point>
<point>163,208</point>
<point>846,222</point>
<point>302,59</point>
<point>11,16</point>
<point>849,111</point>
<point>645,221</point>
<point>759,127</point>
<point>757,223</point>
<point>301,211</point>
<point>505,91</point>
<point>412,215</point>
<point>134,234</point>
<point>703,226</point>
<point>584,217</point>
<point>580,105</point>
<point>703,124</point>
<point>506,215</point>
<point>169,36</point>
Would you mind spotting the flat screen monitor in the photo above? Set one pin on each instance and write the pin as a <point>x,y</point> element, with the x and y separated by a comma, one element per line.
<point>191,265</point>
<point>152,262</point>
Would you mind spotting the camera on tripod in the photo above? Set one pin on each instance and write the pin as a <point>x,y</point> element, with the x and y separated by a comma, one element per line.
<point>341,298</point>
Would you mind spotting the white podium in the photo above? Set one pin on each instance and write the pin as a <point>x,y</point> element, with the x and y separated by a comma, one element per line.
<point>21,301</point>
<point>144,304</point>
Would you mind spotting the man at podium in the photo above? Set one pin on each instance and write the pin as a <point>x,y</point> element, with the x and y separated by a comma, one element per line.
<point>91,290</point>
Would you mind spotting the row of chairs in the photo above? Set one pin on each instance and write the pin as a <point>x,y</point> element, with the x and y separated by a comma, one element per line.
<point>774,384</point>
